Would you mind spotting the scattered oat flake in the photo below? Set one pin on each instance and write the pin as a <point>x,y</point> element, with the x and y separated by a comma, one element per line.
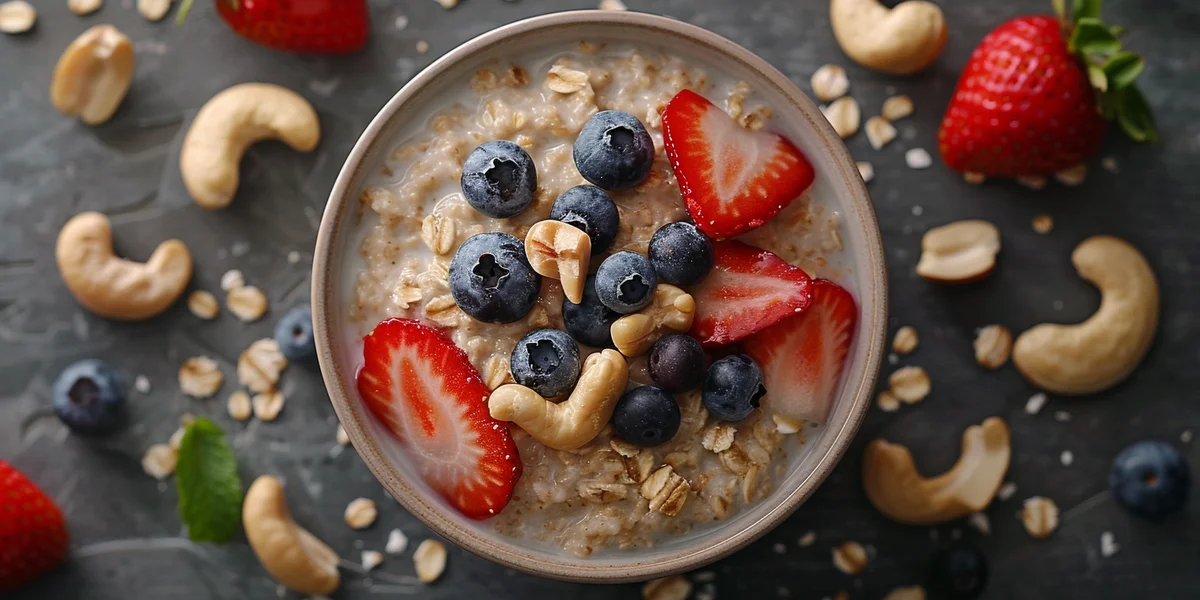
<point>260,365</point>
<point>159,461</point>
<point>232,279</point>
<point>866,171</point>
<point>910,384</point>
<point>980,522</point>
<point>200,377</point>
<point>141,384</point>
<point>1006,491</point>
<point>612,5</point>
<point>850,557</point>
<point>807,539</point>
<point>422,46</point>
<point>430,560</point>
<point>787,425</point>
<point>342,437</point>
<point>905,340</point>
<point>879,132</point>
<point>830,83</point>
<point>845,116</point>
<point>974,178</point>
<point>779,548</point>
<point>897,107</point>
<point>247,303</point>
<point>239,405</point>
<point>203,304</point>
<point>293,257</point>
<point>83,7</point>
<point>1186,436</point>
<point>667,588</point>
<point>397,542</point>
<point>267,405</point>
<point>1040,516</point>
<point>176,439</point>
<point>1073,176</point>
<point>1108,544</point>
<point>1066,458</point>
<point>918,158</point>
<point>17,16</point>
<point>447,4</point>
<point>718,438</point>
<point>887,401</point>
<point>361,513</point>
<point>1109,163</point>
<point>1035,403</point>
<point>1043,224</point>
<point>1062,416</point>
<point>912,592</point>
<point>401,23</point>
<point>1033,182</point>
<point>371,559</point>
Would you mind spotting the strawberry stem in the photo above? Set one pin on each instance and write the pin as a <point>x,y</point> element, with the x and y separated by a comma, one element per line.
<point>184,7</point>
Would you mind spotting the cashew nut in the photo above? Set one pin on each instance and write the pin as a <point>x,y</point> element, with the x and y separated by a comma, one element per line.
<point>1103,350</point>
<point>899,41</point>
<point>228,124</point>
<point>93,74</point>
<point>571,424</point>
<point>898,490</point>
<point>671,309</point>
<point>292,555</point>
<point>560,251</point>
<point>960,252</point>
<point>114,287</point>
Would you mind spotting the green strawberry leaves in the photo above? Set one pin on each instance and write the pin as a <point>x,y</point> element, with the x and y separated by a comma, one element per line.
<point>1111,70</point>
<point>206,477</point>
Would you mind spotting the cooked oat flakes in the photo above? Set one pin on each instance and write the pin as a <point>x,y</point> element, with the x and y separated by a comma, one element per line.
<point>260,365</point>
<point>910,384</point>
<point>718,438</point>
<point>268,404</point>
<point>200,377</point>
<point>203,304</point>
<point>906,340</point>
<point>247,303</point>
<point>239,405</point>
<point>360,513</point>
<point>1040,516</point>
<point>429,559</point>
<point>159,461</point>
<point>992,346</point>
<point>850,557</point>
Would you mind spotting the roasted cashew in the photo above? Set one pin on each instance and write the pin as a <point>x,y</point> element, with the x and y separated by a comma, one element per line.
<point>93,74</point>
<point>560,251</point>
<point>292,555</point>
<point>900,40</point>
<point>671,310</point>
<point>115,287</point>
<point>228,124</point>
<point>959,252</point>
<point>1100,352</point>
<point>571,424</point>
<point>898,490</point>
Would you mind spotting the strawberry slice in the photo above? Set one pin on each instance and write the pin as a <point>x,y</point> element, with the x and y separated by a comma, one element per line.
<point>732,179</point>
<point>747,290</point>
<point>430,397</point>
<point>802,357</point>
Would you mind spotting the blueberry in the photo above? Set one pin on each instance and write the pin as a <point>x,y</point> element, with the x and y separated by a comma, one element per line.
<point>491,280</point>
<point>646,416</point>
<point>959,572</point>
<point>294,333</point>
<point>625,282</point>
<point>677,363</point>
<point>589,322</point>
<point>614,150</point>
<point>1150,479</point>
<point>680,253</point>
<point>547,361</point>
<point>733,387</point>
<point>89,397</point>
<point>499,178</point>
<point>591,209</point>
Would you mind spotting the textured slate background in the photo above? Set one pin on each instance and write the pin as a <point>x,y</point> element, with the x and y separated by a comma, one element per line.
<point>125,535</point>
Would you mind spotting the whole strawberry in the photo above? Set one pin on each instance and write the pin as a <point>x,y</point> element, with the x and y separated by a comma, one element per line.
<point>1035,96</point>
<point>33,536</point>
<point>316,26</point>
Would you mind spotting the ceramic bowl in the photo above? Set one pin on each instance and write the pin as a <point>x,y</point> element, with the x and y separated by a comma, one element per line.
<point>837,180</point>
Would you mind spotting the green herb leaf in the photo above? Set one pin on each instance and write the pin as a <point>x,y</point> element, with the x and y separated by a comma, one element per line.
<point>1086,9</point>
<point>1123,68</point>
<point>1135,118</point>
<point>1093,39</point>
<point>1098,78</point>
<point>210,491</point>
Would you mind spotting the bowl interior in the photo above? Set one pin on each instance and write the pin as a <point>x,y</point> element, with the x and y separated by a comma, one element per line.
<point>860,267</point>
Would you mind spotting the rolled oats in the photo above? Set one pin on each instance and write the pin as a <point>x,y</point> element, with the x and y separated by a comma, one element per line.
<point>422,46</point>
<point>1073,176</point>
<point>360,513</point>
<point>497,372</point>
<point>845,116</point>
<point>638,467</point>
<point>1040,516</point>
<point>992,346</point>
<point>247,303</point>
<point>17,16</point>
<point>408,296</point>
<point>887,401</point>
<point>830,83</point>
<point>439,234</point>
<point>736,460</point>
<point>448,4</point>
<point>918,158</point>
<point>159,461</point>
<point>429,559</point>
<point>879,132</point>
<point>597,492</point>
<point>1035,403</point>
<point>850,557</point>
<point>442,310</point>
<point>203,304</point>
<point>1033,182</point>
<point>397,542</point>
<point>866,171</point>
<point>1006,491</point>
<point>748,482</point>
<point>341,436</point>
<point>1109,163</point>
<point>906,340</point>
<point>910,384</point>
<point>232,279</point>
<point>565,80</point>
<point>200,377</point>
<point>756,118</point>
<point>83,7</point>
<point>177,438</point>
<point>260,365</point>
<point>667,588</point>
<point>914,592</point>
<point>974,178</point>
<point>980,522</point>
<point>787,425</point>
<point>897,107</point>
<point>268,404</point>
<point>624,448</point>
<point>612,5</point>
<point>153,10</point>
<point>238,405</point>
<point>666,491</point>
<point>807,539</point>
<point>1043,224</point>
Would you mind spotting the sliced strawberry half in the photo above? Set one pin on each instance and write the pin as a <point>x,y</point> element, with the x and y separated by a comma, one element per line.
<point>802,357</point>
<point>732,179</point>
<point>747,290</point>
<point>430,397</point>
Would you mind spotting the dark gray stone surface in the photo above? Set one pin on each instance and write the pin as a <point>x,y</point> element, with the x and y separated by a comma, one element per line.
<point>126,536</point>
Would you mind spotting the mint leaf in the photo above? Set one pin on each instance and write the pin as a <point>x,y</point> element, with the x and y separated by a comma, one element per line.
<point>1093,39</point>
<point>1123,68</point>
<point>1086,9</point>
<point>210,491</point>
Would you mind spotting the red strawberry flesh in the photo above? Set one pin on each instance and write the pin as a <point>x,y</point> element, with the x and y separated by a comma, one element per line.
<point>429,396</point>
<point>748,289</point>
<point>802,357</point>
<point>732,179</point>
<point>33,536</point>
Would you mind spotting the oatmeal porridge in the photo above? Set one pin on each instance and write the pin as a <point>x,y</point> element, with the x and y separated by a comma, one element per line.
<point>597,490</point>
